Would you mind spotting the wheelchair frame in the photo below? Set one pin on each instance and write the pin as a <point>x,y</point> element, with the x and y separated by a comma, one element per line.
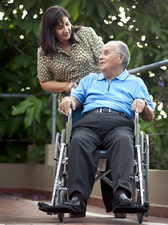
<point>139,176</point>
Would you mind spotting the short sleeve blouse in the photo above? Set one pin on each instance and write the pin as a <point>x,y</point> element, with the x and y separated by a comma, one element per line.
<point>82,59</point>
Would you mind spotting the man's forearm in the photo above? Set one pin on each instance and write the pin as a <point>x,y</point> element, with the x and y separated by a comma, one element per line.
<point>147,114</point>
<point>77,103</point>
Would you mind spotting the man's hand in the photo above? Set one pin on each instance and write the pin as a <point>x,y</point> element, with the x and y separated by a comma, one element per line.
<point>138,105</point>
<point>66,103</point>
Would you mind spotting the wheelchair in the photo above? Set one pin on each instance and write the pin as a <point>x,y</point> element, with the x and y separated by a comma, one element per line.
<point>138,178</point>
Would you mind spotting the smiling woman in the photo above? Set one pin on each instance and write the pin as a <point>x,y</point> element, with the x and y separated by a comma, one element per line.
<point>66,53</point>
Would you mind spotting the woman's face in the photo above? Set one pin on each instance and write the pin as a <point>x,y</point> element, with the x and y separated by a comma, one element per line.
<point>63,29</point>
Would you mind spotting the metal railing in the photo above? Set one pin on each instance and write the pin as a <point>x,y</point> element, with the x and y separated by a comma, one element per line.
<point>149,67</point>
<point>54,96</point>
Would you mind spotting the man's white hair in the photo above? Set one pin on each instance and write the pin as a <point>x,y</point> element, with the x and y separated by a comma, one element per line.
<point>122,48</point>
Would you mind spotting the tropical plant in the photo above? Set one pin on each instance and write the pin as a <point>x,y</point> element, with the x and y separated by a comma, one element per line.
<point>141,24</point>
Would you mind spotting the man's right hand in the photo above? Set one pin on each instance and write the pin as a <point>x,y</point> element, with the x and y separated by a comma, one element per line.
<point>66,103</point>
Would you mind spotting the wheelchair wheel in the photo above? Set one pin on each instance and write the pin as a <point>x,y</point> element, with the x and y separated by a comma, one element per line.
<point>56,155</point>
<point>146,169</point>
<point>60,138</point>
<point>62,199</point>
<point>59,168</point>
<point>139,215</point>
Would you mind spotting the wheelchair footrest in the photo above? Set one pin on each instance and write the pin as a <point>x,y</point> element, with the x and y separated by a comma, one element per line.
<point>46,208</point>
<point>49,209</point>
<point>132,209</point>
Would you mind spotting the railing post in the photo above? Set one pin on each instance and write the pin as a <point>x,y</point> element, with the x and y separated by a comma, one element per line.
<point>54,112</point>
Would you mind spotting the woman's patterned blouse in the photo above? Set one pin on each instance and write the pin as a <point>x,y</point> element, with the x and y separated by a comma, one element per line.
<point>82,59</point>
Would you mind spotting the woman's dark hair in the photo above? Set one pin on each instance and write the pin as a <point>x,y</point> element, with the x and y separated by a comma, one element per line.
<point>51,18</point>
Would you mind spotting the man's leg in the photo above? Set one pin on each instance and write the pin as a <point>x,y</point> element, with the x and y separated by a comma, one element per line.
<point>120,145</point>
<point>83,161</point>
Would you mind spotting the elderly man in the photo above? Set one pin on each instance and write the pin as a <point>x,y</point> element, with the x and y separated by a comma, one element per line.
<point>109,101</point>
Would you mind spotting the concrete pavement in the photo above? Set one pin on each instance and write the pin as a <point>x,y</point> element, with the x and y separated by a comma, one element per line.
<point>17,210</point>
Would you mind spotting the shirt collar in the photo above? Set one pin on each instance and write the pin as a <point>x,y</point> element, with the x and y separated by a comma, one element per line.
<point>122,76</point>
<point>76,37</point>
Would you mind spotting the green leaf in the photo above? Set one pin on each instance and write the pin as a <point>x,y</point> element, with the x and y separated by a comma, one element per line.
<point>36,152</point>
<point>32,107</point>
<point>3,128</point>
<point>28,27</point>
<point>13,125</point>
<point>73,9</point>
<point>101,10</point>
<point>90,8</point>
<point>36,29</point>
<point>28,4</point>
<point>64,3</point>
<point>22,107</point>
<point>49,124</point>
<point>29,116</point>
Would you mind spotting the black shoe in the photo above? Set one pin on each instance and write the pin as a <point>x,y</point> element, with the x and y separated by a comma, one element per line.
<point>76,207</point>
<point>122,200</point>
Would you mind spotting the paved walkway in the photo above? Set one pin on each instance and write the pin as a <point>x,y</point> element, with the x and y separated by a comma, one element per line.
<point>15,210</point>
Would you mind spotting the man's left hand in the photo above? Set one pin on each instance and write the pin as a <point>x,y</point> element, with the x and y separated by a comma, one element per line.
<point>138,105</point>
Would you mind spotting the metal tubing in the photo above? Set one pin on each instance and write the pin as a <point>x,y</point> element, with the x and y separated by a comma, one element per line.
<point>131,71</point>
<point>138,147</point>
<point>149,67</point>
<point>54,111</point>
<point>57,181</point>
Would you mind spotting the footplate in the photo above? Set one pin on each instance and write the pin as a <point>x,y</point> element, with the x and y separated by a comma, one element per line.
<point>49,209</point>
<point>132,209</point>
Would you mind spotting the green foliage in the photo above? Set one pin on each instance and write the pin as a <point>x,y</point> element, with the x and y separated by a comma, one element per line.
<point>144,29</point>
<point>32,107</point>
<point>37,152</point>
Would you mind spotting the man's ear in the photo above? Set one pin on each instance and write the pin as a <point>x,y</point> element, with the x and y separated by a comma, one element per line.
<point>122,57</point>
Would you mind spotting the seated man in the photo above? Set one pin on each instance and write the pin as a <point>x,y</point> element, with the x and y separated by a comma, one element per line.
<point>109,101</point>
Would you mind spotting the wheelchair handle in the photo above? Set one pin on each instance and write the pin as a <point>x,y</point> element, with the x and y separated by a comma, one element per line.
<point>137,116</point>
<point>70,113</point>
<point>136,128</point>
<point>70,109</point>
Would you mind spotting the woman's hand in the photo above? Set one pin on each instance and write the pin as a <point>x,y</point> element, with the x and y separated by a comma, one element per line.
<point>69,87</point>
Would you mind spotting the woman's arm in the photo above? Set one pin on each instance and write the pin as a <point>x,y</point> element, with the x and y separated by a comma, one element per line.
<point>55,86</point>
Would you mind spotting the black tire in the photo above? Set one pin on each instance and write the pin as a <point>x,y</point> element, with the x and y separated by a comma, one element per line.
<point>62,199</point>
<point>139,215</point>
<point>140,218</point>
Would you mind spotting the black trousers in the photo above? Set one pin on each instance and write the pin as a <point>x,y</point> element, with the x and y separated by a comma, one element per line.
<point>95,131</point>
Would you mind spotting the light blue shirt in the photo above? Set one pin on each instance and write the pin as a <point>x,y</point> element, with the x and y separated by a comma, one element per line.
<point>96,91</point>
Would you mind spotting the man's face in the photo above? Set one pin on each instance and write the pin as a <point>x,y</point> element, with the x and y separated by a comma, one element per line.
<point>110,58</point>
